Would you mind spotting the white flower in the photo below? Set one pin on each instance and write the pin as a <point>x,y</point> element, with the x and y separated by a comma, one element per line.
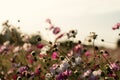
<point>97,72</point>
<point>44,49</point>
<point>16,49</point>
<point>3,32</point>
<point>25,37</point>
<point>11,28</point>
<point>48,75</point>
<point>27,46</point>
<point>6,43</point>
<point>64,65</point>
<point>78,60</point>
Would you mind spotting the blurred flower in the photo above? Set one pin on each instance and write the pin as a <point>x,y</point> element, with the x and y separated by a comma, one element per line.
<point>6,43</point>
<point>14,77</point>
<point>30,61</point>
<point>2,48</point>
<point>48,21</point>
<point>97,72</point>
<point>61,77</point>
<point>78,60</point>
<point>37,71</point>
<point>44,49</point>
<point>54,55</point>
<point>27,46</point>
<point>12,28</point>
<point>115,66</point>
<point>25,37</point>
<point>87,54</point>
<point>40,46</point>
<point>87,73</point>
<point>56,30</point>
<point>116,26</point>
<point>64,65</point>
<point>16,49</point>
<point>22,69</point>
<point>77,48</point>
<point>67,72</point>
<point>70,53</point>
<point>48,75</point>
<point>53,68</point>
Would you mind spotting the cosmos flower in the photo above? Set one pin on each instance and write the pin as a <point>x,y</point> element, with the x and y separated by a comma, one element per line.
<point>78,60</point>
<point>48,21</point>
<point>54,55</point>
<point>56,30</point>
<point>6,43</point>
<point>97,72</point>
<point>12,28</point>
<point>27,46</point>
<point>40,46</point>
<point>48,75</point>
<point>67,72</point>
<point>114,66</point>
<point>77,48</point>
<point>116,26</point>
<point>87,54</point>
<point>53,68</point>
<point>87,73</point>
<point>16,49</point>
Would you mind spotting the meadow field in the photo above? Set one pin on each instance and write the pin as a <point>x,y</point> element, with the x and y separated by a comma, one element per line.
<point>30,57</point>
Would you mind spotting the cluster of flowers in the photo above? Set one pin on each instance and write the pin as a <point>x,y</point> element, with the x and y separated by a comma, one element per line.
<point>56,60</point>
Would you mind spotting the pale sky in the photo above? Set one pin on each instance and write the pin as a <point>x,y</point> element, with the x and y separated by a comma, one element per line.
<point>84,15</point>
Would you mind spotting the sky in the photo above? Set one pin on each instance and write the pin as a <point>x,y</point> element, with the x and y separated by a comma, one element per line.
<point>84,15</point>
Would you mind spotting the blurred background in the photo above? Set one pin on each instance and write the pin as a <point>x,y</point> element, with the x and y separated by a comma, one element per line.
<point>83,15</point>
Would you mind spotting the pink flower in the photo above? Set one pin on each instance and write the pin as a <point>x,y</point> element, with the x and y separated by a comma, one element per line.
<point>77,48</point>
<point>48,21</point>
<point>87,73</point>
<point>67,72</point>
<point>116,26</point>
<point>70,53</point>
<point>54,55</point>
<point>37,71</point>
<point>87,54</point>
<point>40,46</point>
<point>54,66</point>
<point>31,61</point>
<point>56,30</point>
<point>115,66</point>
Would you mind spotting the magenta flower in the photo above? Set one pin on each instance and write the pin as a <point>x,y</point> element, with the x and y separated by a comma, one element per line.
<point>31,61</point>
<point>37,71</point>
<point>56,30</point>
<point>77,48</point>
<point>67,72</point>
<point>54,55</point>
<point>116,26</point>
<point>87,54</point>
<point>40,46</point>
<point>22,69</point>
<point>61,77</point>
